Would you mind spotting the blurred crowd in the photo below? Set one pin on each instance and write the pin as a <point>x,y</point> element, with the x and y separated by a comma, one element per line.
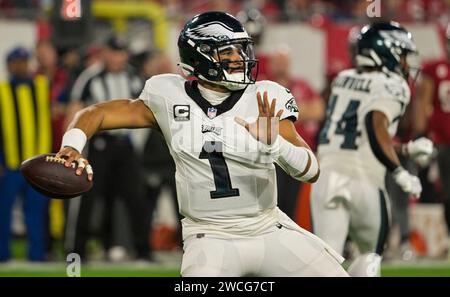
<point>277,10</point>
<point>120,209</point>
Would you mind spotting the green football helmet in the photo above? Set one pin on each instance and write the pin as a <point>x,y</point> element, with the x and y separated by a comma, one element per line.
<point>200,42</point>
<point>382,46</point>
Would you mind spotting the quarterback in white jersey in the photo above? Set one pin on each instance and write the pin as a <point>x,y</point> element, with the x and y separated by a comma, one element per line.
<point>222,174</point>
<point>355,146</point>
<point>224,135</point>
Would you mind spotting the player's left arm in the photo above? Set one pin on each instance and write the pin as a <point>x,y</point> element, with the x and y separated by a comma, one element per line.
<point>295,156</point>
<point>377,124</point>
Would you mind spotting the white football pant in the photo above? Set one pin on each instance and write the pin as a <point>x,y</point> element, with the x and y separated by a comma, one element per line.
<point>285,250</point>
<point>341,206</point>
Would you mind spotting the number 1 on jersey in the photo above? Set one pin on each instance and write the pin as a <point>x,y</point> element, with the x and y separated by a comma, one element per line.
<point>212,150</point>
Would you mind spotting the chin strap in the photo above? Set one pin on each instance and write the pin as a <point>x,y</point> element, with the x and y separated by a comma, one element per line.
<point>233,81</point>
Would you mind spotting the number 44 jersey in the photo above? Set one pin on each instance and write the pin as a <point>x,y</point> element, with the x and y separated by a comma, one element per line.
<point>225,183</point>
<point>344,141</point>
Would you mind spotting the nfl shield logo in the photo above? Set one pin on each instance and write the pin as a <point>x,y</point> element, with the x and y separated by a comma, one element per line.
<point>212,112</point>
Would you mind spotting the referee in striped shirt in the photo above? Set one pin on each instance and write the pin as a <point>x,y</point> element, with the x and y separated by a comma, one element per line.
<point>115,175</point>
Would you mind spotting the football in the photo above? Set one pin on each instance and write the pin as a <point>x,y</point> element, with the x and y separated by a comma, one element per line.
<point>47,174</point>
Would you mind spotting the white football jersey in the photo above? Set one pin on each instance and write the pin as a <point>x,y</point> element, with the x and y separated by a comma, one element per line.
<point>343,142</point>
<point>225,183</point>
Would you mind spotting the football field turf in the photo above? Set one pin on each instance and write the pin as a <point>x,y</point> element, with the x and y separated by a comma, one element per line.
<point>23,269</point>
<point>112,270</point>
<point>169,266</point>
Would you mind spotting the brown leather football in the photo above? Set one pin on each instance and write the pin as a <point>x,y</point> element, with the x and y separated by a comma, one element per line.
<point>47,174</point>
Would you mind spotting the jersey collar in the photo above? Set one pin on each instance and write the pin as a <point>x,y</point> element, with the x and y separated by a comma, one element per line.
<point>191,88</point>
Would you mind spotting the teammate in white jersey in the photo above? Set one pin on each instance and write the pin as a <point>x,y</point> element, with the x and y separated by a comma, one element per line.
<point>224,131</point>
<point>356,148</point>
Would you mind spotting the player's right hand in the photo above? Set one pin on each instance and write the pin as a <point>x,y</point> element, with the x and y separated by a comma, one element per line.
<point>70,155</point>
<point>408,183</point>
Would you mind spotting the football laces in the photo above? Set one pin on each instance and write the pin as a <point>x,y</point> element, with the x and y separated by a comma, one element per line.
<point>58,160</point>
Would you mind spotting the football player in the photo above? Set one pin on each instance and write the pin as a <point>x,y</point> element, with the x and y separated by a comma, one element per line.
<point>224,131</point>
<point>356,148</point>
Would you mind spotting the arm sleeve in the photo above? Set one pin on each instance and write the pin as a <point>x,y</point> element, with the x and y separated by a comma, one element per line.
<point>298,162</point>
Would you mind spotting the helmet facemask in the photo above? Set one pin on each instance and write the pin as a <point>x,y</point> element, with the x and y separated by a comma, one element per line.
<point>237,62</point>
<point>229,63</point>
